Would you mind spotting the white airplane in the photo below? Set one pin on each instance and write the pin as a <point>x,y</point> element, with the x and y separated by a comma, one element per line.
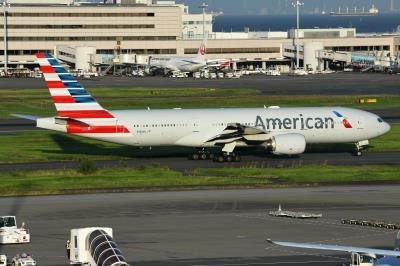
<point>282,131</point>
<point>189,64</point>
<point>359,256</point>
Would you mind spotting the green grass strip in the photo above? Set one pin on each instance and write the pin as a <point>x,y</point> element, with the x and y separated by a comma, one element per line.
<point>161,178</point>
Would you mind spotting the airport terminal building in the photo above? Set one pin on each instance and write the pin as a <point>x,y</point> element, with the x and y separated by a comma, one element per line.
<point>154,29</point>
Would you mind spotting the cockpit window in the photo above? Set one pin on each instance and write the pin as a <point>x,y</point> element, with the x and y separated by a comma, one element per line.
<point>380,120</point>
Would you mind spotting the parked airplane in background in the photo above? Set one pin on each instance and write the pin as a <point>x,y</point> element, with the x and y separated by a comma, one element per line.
<point>359,256</point>
<point>282,131</point>
<point>219,64</point>
<point>174,63</point>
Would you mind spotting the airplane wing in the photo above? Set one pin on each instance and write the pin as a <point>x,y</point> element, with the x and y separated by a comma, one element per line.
<point>349,249</point>
<point>239,132</point>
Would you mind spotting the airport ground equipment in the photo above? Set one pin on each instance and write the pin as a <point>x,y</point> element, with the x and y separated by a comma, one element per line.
<point>292,214</point>
<point>10,233</point>
<point>370,223</point>
<point>94,246</point>
<point>23,260</point>
<point>3,260</point>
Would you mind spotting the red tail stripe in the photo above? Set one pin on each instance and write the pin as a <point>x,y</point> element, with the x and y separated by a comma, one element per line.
<point>79,129</point>
<point>40,55</point>
<point>82,114</point>
<point>63,99</point>
<point>55,84</point>
<point>47,69</point>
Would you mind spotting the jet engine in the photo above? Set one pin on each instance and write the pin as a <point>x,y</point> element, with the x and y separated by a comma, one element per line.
<point>286,144</point>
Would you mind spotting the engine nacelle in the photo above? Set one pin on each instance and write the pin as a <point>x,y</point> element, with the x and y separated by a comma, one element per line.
<point>287,144</point>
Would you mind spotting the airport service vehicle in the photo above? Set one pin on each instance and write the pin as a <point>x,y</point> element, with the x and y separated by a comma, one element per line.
<point>3,260</point>
<point>94,246</point>
<point>292,214</point>
<point>10,234</point>
<point>272,72</point>
<point>281,131</point>
<point>23,260</point>
<point>299,72</point>
<point>188,64</point>
<point>359,256</point>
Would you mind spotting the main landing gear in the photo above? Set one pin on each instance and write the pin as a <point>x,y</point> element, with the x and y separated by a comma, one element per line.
<point>227,158</point>
<point>201,155</point>
<point>220,158</point>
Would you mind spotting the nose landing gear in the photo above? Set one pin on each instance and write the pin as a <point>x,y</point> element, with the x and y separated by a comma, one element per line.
<point>360,147</point>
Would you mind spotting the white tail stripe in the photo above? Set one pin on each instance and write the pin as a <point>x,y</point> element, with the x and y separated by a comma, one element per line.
<point>51,77</point>
<point>77,106</point>
<point>59,92</point>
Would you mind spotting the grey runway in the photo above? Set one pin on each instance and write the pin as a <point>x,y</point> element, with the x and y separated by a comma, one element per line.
<point>332,84</point>
<point>210,228</point>
<point>259,159</point>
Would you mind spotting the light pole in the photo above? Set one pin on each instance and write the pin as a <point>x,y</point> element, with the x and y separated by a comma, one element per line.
<point>297,4</point>
<point>5,39</point>
<point>204,6</point>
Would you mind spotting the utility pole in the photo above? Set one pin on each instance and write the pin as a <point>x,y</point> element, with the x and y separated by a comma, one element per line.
<point>5,37</point>
<point>204,7</point>
<point>297,4</point>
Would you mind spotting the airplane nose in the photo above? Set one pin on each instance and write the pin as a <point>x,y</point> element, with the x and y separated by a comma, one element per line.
<point>386,128</point>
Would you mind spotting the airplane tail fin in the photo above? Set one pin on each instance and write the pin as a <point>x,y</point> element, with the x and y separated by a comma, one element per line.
<point>203,47</point>
<point>69,97</point>
<point>77,110</point>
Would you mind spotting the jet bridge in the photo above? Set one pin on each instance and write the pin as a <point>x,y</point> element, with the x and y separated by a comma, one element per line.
<point>94,246</point>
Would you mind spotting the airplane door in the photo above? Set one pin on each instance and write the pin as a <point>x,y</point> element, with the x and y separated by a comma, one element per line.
<point>195,125</point>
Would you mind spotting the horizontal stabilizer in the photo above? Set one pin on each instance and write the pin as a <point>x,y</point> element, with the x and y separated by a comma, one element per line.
<point>27,117</point>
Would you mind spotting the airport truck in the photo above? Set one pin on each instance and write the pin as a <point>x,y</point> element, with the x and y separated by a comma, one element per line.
<point>10,233</point>
<point>94,246</point>
<point>3,260</point>
<point>19,260</point>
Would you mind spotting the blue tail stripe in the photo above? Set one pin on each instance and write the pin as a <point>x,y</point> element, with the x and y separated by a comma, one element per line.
<point>60,70</point>
<point>67,77</point>
<point>78,92</point>
<point>84,99</point>
<point>73,85</point>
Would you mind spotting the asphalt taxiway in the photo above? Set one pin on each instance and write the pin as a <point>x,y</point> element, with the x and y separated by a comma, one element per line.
<point>332,84</point>
<point>210,228</point>
<point>259,159</point>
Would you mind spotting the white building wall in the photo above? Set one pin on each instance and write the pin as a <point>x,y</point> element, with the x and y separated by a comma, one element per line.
<point>310,55</point>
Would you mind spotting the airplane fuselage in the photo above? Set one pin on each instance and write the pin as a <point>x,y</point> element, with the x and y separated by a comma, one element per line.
<point>194,127</point>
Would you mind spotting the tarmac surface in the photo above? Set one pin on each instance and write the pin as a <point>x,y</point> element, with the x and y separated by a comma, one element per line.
<point>210,228</point>
<point>259,159</point>
<point>330,84</point>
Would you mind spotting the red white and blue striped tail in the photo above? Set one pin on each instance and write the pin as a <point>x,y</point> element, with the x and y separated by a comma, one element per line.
<point>73,102</point>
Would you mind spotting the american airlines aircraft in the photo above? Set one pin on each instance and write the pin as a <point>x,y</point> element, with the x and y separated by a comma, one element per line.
<point>282,131</point>
<point>189,64</point>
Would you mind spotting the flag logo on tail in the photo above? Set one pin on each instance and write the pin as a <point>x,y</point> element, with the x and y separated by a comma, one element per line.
<point>74,102</point>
